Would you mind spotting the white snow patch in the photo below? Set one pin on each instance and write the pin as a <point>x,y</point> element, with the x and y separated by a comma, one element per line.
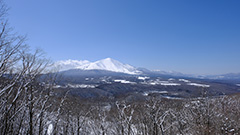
<point>238,84</point>
<point>76,86</point>
<point>171,79</point>
<point>50,129</point>
<point>160,92</point>
<point>57,86</point>
<point>143,78</point>
<point>153,83</point>
<point>79,86</point>
<point>82,86</point>
<point>170,84</point>
<point>158,82</point>
<point>145,94</point>
<point>107,107</point>
<point>184,80</point>
<point>166,83</point>
<point>199,85</point>
<point>106,81</point>
<point>124,81</point>
<point>169,97</point>
<point>150,92</point>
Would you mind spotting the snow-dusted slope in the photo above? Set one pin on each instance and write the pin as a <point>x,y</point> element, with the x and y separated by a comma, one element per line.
<point>105,64</point>
<point>70,64</point>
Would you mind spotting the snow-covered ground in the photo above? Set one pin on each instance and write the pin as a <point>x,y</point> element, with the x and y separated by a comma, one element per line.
<point>184,80</point>
<point>50,129</point>
<point>150,92</point>
<point>158,82</point>
<point>171,79</point>
<point>76,86</point>
<point>143,78</point>
<point>169,97</point>
<point>124,81</point>
<point>199,85</point>
<point>238,84</point>
<point>57,86</point>
<point>106,81</point>
<point>82,86</point>
<point>169,84</point>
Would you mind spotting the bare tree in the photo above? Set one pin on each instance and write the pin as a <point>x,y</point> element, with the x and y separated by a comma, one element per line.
<point>22,95</point>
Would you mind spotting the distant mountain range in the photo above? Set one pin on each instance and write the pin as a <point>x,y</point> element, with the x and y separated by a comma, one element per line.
<point>111,66</point>
<point>107,64</point>
<point>110,79</point>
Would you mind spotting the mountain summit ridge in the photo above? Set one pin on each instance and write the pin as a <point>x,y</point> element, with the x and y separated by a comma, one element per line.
<point>107,64</point>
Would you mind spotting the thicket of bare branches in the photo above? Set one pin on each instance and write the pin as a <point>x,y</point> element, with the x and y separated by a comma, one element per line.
<point>203,116</point>
<point>23,93</point>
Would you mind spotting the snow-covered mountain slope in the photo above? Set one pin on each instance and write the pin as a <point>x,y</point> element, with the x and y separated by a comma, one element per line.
<point>70,64</point>
<point>107,64</point>
<point>112,65</point>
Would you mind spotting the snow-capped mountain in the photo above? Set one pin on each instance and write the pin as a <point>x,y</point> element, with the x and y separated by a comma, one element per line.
<point>107,64</point>
<point>112,65</point>
<point>64,65</point>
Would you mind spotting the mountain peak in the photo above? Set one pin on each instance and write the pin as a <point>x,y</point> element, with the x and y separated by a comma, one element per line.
<point>108,64</point>
<point>110,59</point>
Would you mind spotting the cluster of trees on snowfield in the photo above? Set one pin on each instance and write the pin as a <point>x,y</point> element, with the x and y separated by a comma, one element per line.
<point>155,116</point>
<point>28,105</point>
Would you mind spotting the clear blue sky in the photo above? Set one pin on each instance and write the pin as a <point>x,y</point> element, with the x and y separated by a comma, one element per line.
<point>189,36</point>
